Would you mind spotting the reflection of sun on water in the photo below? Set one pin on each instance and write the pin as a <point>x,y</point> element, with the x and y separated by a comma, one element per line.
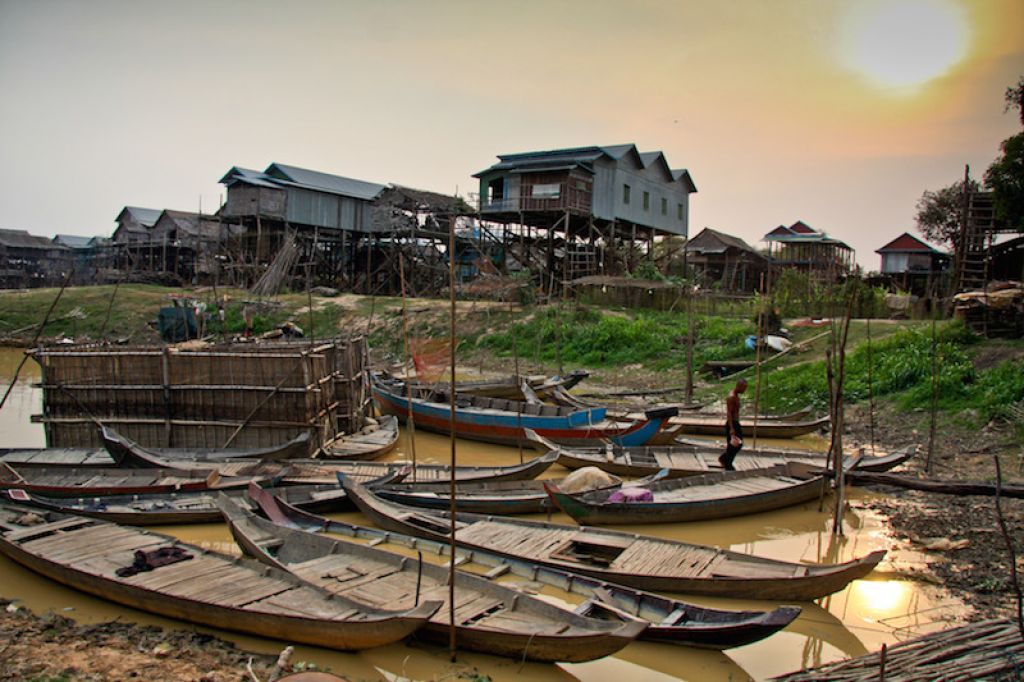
<point>903,44</point>
<point>880,599</point>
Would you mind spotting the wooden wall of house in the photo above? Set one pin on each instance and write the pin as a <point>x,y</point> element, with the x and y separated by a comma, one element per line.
<point>249,200</point>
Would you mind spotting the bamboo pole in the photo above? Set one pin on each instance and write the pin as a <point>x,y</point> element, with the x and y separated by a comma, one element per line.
<point>1015,584</point>
<point>451,440</point>
<point>35,338</point>
<point>410,420</point>
<point>689,346</point>
<point>871,390</point>
<point>759,339</point>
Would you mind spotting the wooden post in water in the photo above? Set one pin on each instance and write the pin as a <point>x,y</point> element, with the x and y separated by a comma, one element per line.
<point>451,439</point>
<point>410,420</point>
<point>871,390</point>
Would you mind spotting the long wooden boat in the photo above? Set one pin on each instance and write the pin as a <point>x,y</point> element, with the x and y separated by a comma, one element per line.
<point>365,446</point>
<point>181,508</point>
<point>638,561</point>
<point>501,497</point>
<point>489,617</point>
<point>715,426</point>
<point>495,420</point>
<point>511,387</point>
<point>92,481</point>
<point>670,620</point>
<point>563,397</point>
<point>296,448</point>
<point>693,459</point>
<point>697,498</point>
<point>160,574</point>
<point>880,462</point>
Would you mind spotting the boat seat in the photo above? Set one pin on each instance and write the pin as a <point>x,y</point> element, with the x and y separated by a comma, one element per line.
<point>549,411</point>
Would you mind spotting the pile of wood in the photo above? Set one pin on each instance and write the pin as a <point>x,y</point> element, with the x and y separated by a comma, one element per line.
<point>271,281</point>
<point>991,650</point>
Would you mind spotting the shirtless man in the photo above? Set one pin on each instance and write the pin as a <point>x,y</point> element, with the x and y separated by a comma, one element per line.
<point>733,433</point>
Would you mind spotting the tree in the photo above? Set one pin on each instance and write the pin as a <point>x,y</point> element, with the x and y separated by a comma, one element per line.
<point>1015,99</point>
<point>1005,177</point>
<point>939,213</point>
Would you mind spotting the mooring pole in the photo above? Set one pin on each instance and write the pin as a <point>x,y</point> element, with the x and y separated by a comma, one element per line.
<point>451,439</point>
<point>410,420</point>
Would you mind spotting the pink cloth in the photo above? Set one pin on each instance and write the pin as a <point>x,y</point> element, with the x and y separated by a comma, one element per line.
<point>628,495</point>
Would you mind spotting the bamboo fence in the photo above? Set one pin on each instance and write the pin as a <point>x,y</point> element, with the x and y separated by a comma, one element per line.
<point>991,650</point>
<point>241,394</point>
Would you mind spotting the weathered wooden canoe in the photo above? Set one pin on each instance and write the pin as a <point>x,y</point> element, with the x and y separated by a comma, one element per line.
<point>48,457</point>
<point>487,497</point>
<point>694,459</point>
<point>510,387</point>
<point>670,620</point>
<point>314,471</point>
<point>697,498</point>
<point>181,508</point>
<point>93,481</point>
<point>638,561</point>
<point>159,574</point>
<point>490,618</point>
<point>296,447</point>
<point>365,446</point>
<point>494,420</point>
<point>882,461</point>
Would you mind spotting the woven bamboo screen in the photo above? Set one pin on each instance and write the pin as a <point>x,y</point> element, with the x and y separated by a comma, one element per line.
<point>237,395</point>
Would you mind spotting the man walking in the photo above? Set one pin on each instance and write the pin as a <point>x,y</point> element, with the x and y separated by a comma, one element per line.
<point>733,433</point>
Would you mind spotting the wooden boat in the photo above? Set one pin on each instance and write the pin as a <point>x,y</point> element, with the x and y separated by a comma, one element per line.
<point>296,447</point>
<point>502,497</point>
<point>884,461</point>
<point>670,620</point>
<point>35,457</point>
<point>698,498</point>
<point>495,420</point>
<point>563,397</point>
<point>715,426</point>
<point>160,574</point>
<point>365,446</point>
<point>638,561</point>
<point>693,459</point>
<point>94,481</point>
<point>181,508</point>
<point>490,617</point>
<point>511,387</point>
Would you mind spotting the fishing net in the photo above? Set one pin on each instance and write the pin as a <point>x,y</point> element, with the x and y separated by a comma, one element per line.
<point>431,358</point>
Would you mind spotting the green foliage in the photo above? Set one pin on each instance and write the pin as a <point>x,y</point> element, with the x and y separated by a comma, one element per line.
<point>795,295</point>
<point>938,213</point>
<point>1005,177</point>
<point>649,271</point>
<point>901,367</point>
<point>593,339</point>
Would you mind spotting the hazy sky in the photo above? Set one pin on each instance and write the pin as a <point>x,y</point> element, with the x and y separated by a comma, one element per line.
<point>836,113</point>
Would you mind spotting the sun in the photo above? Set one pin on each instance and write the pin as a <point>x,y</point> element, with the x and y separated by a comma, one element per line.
<point>902,44</point>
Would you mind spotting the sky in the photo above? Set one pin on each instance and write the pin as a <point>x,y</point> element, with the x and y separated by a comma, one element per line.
<point>834,112</point>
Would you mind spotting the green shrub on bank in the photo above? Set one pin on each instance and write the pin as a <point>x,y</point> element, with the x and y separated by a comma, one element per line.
<point>901,367</point>
<point>590,338</point>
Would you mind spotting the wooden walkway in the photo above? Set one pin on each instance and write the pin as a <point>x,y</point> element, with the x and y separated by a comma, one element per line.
<point>991,650</point>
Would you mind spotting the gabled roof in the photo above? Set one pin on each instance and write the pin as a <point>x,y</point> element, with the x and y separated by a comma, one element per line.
<point>324,182</point>
<point>907,243</point>
<point>73,241</point>
<point>146,217</point>
<point>713,241</point>
<point>583,158</point>
<point>683,175</point>
<point>780,231</point>
<point>800,227</point>
<point>279,175</point>
<point>21,239</point>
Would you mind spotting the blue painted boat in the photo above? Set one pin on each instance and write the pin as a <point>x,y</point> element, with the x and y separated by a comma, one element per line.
<point>497,420</point>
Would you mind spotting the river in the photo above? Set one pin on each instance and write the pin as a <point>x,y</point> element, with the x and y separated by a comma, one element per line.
<point>885,608</point>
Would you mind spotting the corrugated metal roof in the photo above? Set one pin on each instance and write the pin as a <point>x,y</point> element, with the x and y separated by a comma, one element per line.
<point>617,151</point>
<point>324,182</point>
<point>907,243</point>
<point>684,175</point>
<point>726,240</point>
<point>72,240</point>
<point>21,239</point>
<point>247,176</point>
<point>143,216</point>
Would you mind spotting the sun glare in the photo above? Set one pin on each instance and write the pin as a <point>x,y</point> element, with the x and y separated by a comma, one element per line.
<point>902,44</point>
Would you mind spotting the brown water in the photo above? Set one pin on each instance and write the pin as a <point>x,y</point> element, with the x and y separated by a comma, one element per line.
<point>883,609</point>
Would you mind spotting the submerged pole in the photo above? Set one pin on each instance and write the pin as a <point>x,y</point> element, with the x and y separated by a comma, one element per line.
<point>410,419</point>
